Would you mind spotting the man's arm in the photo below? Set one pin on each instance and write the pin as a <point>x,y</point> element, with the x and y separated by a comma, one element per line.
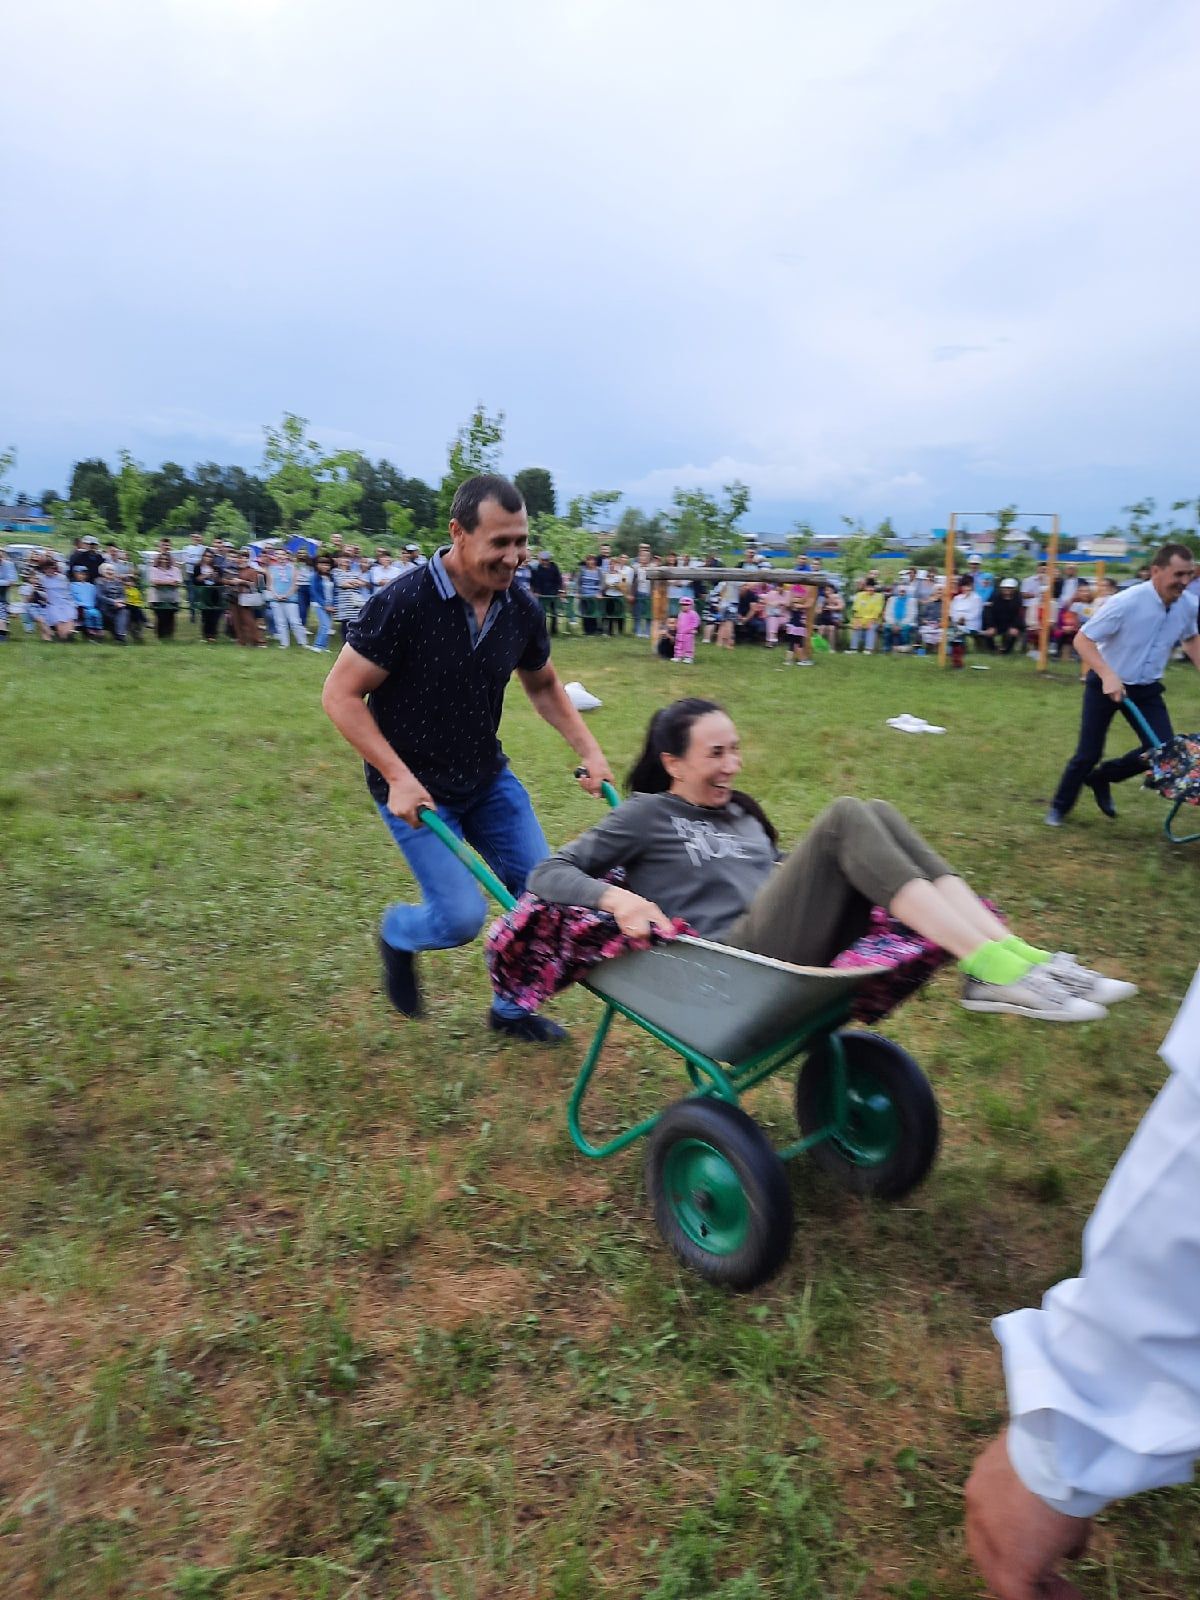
<point>549,699</point>
<point>1191,649</point>
<point>1103,1380</point>
<point>1088,652</point>
<point>351,678</point>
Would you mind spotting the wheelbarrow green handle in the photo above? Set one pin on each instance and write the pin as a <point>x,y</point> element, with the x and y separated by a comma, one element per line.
<point>1141,724</point>
<point>475,865</point>
<point>606,788</point>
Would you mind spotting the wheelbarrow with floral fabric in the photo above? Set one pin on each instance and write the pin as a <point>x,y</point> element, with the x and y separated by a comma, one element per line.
<point>1174,770</point>
<point>718,1188</point>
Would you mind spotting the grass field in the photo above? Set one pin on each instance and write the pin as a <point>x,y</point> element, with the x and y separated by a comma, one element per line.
<point>304,1301</point>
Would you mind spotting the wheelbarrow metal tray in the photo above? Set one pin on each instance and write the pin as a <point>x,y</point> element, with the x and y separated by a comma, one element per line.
<point>726,1002</point>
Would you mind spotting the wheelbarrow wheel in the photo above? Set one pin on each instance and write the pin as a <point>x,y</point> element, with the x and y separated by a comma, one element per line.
<point>888,1138</point>
<point>720,1194</point>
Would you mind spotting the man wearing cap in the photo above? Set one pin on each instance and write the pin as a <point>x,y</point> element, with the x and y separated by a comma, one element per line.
<point>546,582</point>
<point>418,690</point>
<point>85,554</point>
<point>413,556</point>
<point>1127,645</point>
<point>1004,618</point>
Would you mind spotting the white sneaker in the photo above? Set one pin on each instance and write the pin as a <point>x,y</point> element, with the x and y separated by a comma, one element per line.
<point>1038,994</point>
<point>1085,983</point>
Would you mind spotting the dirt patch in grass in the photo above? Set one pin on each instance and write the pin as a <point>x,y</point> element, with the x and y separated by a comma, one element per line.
<point>445,1298</point>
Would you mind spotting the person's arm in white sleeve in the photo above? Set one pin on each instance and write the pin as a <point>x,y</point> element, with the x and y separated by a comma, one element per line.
<point>1104,1380</point>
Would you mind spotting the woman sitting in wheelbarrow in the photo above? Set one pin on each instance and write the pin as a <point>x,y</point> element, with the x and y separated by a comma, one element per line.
<point>693,846</point>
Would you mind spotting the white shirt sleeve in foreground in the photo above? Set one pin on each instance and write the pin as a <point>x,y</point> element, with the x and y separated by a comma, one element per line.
<point>1104,1380</point>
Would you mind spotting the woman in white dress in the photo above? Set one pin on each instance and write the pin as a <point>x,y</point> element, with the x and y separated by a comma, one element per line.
<point>56,610</point>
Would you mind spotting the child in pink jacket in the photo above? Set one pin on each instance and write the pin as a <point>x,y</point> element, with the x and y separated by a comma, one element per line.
<point>687,625</point>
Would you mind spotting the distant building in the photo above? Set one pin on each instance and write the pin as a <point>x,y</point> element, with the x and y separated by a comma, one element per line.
<point>1104,547</point>
<point>30,522</point>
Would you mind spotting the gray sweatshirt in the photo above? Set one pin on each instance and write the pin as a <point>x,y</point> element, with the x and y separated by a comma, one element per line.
<point>702,863</point>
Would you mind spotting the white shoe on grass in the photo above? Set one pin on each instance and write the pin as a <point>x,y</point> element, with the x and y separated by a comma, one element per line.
<point>1085,983</point>
<point>1038,994</point>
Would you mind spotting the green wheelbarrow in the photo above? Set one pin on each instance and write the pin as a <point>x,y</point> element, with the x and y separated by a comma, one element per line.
<point>719,1189</point>
<point>1174,770</point>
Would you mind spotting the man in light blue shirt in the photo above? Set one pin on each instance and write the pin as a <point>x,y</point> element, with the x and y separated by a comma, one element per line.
<point>1127,645</point>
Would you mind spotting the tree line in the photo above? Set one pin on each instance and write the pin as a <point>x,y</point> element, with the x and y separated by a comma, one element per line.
<point>301,488</point>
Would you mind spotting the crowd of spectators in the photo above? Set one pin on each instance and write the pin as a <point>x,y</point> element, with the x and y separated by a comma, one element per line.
<point>250,596</point>
<point>268,593</point>
<point>904,613</point>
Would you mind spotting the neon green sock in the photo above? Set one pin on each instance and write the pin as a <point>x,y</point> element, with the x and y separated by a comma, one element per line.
<point>1027,952</point>
<point>995,963</point>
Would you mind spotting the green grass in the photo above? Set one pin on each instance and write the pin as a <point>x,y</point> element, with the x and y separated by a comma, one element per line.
<point>301,1300</point>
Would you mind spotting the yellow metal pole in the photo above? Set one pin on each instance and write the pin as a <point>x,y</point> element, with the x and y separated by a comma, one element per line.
<point>658,610</point>
<point>946,594</point>
<point>1048,597</point>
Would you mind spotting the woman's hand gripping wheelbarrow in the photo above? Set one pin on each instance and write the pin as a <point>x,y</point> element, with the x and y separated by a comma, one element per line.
<point>636,918</point>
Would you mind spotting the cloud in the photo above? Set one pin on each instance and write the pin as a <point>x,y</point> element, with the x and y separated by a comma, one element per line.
<point>844,255</point>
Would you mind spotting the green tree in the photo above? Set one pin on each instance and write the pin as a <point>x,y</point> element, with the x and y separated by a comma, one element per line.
<point>1189,532</point>
<point>854,553</point>
<point>79,519</point>
<point>316,493</point>
<point>166,490</point>
<point>400,523</point>
<point>289,460</point>
<point>637,528</point>
<point>1192,507</point>
<point>227,522</point>
<point>1143,530</point>
<point>92,481</point>
<point>699,521</point>
<point>695,520</point>
<point>592,510</point>
<point>475,448</point>
<point>537,491</point>
<point>566,542</point>
<point>338,494</point>
<point>211,483</point>
<point>132,487</point>
<point>801,536</point>
<point>185,518</point>
<point>931,556</point>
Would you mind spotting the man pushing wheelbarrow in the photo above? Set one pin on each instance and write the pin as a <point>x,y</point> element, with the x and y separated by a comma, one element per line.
<point>418,690</point>
<point>1127,645</point>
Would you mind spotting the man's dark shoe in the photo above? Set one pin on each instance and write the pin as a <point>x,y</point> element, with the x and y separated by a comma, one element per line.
<point>530,1029</point>
<point>1054,818</point>
<point>1103,793</point>
<point>400,979</point>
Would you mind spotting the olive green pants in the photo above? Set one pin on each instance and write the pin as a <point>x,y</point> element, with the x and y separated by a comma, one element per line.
<point>857,854</point>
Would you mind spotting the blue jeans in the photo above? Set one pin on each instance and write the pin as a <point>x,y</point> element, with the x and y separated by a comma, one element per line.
<point>324,623</point>
<point>500,823</point>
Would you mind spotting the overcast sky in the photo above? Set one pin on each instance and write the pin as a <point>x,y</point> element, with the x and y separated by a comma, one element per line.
<point>878,257</point>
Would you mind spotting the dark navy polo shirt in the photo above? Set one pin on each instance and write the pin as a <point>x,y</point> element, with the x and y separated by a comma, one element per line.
<point>440,706</point>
